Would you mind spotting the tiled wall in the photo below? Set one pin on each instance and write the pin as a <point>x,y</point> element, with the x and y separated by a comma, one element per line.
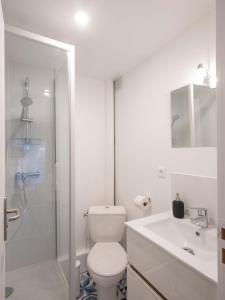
<point>32,238</point>
<point>196,191</point>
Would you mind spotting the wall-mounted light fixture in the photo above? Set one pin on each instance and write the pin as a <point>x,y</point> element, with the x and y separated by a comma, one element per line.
<point>206,77</point>
<point>203,74</point>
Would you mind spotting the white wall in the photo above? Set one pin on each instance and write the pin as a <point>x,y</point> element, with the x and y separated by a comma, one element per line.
<point>143,137</point>
<point>93,160</point>
<point>197,191</point>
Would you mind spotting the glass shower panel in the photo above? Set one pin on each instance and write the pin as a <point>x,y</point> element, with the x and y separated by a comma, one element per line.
<point>30,166</point>
<point>37,144</point>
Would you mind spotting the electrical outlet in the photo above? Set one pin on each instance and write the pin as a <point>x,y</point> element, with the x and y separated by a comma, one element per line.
<point>161,172</point>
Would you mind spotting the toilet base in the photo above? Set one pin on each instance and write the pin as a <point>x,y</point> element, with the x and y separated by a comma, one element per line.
<point>109,293</point>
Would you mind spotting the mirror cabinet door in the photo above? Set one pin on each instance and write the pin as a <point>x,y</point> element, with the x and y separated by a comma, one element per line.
<point>193,117</point>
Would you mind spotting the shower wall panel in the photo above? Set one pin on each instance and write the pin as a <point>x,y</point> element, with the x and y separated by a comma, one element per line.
<point>31,239</point>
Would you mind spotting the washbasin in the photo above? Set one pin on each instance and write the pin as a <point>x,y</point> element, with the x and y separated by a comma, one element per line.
<point>187,236</point>
<point>194,246</point>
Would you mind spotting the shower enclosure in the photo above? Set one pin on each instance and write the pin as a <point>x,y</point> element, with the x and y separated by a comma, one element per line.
<point>40,248</point>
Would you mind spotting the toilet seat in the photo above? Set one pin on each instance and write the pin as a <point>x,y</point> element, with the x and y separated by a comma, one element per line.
<point>107,259</point>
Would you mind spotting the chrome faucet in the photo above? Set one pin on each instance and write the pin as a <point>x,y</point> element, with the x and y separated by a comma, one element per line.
<point>200,217</point>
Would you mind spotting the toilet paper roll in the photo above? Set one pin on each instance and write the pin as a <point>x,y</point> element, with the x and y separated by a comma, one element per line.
<point>142,202</point>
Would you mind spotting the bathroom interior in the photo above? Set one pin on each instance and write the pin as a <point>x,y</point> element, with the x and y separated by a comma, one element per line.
<point>112,150</point>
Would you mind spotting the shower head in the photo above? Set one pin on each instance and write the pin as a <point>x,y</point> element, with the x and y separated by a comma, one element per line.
<point>175,118</point>
<point>26,101</point>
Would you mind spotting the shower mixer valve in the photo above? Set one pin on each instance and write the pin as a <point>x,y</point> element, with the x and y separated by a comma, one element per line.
<point>25,175</point>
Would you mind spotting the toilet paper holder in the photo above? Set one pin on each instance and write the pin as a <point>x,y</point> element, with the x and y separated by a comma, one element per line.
<point>142,202</point>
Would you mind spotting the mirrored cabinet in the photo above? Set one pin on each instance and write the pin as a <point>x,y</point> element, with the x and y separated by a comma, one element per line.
<point>193,116</point>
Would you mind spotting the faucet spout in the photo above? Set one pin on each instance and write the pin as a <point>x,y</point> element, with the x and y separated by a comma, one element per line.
<point>201,217</point>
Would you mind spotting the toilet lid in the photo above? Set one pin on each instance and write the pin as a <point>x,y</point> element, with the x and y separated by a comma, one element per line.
<point>107,259</point>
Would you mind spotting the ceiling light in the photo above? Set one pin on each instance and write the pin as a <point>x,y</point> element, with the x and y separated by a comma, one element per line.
<point>81,18</point>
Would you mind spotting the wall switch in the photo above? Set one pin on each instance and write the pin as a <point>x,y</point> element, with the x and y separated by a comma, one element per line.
<point>161,172</point>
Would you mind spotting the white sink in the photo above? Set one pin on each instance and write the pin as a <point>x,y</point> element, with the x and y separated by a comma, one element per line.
<point>190,244</point>
<point>185,235</point>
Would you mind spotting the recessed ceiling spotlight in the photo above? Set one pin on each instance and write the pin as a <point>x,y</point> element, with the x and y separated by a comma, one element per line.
<point>81,18</point>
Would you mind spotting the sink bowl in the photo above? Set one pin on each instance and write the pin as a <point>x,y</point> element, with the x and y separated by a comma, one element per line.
<point>190,244</point>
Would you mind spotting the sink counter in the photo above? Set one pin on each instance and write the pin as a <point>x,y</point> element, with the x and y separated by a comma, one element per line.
<point>193,246</point>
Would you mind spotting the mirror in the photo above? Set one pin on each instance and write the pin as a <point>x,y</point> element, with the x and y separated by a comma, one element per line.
<point>193,116</point>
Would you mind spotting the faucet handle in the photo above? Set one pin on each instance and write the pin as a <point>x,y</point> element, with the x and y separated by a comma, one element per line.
<point>195,212</point>
<point>202,212</point>
<point>199,216</point>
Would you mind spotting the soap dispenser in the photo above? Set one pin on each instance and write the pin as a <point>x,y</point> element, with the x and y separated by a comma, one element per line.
<point>178,207</point>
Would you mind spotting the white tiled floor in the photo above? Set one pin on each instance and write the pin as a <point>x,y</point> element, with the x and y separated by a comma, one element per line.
<point>42,281</point>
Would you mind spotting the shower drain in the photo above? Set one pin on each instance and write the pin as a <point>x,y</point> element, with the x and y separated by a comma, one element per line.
<point>189,250</point>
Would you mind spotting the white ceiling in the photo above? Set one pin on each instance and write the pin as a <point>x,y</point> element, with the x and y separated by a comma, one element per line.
<point>121,33</point>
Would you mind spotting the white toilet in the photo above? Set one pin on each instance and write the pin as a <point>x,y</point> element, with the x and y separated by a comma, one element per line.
<point>107,260</point>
